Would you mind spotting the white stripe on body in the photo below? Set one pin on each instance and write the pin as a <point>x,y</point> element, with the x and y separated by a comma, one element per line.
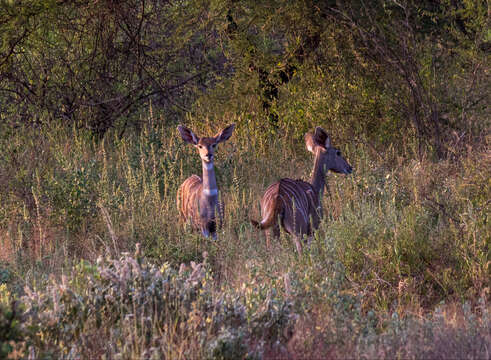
<point>293,195</point>
<point>296,199</point>
<point>267,203</point>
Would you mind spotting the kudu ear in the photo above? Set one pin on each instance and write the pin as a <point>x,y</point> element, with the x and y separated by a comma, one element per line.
<point>318,138</point>
<point>321,138</point>
<point>225,134</point>
<point>188,135</point>
<point>309,142</point>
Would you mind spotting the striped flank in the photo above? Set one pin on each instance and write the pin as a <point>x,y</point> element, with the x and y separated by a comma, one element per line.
<point>187,199</point>
<point>294,203</point>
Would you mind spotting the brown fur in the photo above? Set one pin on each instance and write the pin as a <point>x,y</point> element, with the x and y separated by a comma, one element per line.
<point>187,197</point>
<point>197,197</point>
<point>296,203</point>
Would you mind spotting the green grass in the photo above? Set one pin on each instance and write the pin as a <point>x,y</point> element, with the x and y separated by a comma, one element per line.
<point>400,238</point>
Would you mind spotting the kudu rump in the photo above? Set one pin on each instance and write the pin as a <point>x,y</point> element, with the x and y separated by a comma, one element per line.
<point>296,203</point>
<point>197,198</point>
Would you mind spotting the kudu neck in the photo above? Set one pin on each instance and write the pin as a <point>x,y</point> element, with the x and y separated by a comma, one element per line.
<point>318,179</point>
<point>209,178</point>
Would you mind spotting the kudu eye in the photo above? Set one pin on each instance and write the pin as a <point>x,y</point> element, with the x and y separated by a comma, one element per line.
<point>338,153</point>
<point>213,146</point>
<point>199,146</point>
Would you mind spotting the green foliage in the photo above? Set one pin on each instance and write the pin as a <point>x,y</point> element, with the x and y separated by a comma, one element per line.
<point>86,170</point>
<point>74,193</point>
<point>12,336</point>
<point>392,65</point>
<point>93,64</point>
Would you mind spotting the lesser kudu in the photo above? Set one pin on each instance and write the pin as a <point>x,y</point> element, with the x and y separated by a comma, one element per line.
<point>295,204</point>
<point>197,198</point>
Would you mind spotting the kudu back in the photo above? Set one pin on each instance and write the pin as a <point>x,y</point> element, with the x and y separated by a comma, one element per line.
<point>197,198</point>
<point>296,205</point>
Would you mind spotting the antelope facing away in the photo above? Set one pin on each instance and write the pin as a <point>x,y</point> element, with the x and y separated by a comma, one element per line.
<point>296,204</point>
<point>197,198</point>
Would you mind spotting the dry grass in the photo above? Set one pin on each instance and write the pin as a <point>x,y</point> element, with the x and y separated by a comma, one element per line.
<point>404,235</point>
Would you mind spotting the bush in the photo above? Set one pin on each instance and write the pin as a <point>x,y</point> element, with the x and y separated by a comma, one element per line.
<point>129,308</point>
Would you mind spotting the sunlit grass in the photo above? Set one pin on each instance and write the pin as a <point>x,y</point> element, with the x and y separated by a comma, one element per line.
<point>399,236</point>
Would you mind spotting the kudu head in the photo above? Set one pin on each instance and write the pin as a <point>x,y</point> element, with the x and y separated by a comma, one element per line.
<point>206,145</point>
<point>329,157</point>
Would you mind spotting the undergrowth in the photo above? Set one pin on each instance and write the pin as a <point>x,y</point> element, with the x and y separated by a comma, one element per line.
<point>403,251</point>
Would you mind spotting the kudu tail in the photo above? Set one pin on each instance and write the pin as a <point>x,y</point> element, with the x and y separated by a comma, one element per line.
<point>271,217</point>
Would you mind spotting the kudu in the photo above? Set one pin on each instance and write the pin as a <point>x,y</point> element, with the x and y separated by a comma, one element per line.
<point>197,198</point>
<point>296,204</point>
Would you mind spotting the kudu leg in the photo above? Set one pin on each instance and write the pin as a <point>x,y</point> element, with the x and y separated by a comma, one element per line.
<point>298,245</point>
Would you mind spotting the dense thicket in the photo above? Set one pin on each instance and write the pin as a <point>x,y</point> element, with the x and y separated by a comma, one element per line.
<point>93,63</point>
<point>414,65</point>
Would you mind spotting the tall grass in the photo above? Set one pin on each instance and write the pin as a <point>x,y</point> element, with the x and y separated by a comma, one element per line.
<point>400,236</point>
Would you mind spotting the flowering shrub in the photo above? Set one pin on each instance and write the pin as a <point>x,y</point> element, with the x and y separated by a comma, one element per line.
<point>129,308</point>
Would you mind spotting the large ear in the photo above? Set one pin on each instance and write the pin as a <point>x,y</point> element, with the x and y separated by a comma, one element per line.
<point>321,137</point>
<point>225,134</point>
<point>309,142</point>
<point>187,135</point>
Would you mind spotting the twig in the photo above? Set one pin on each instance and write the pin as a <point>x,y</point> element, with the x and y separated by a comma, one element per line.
<point>109,224</point>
